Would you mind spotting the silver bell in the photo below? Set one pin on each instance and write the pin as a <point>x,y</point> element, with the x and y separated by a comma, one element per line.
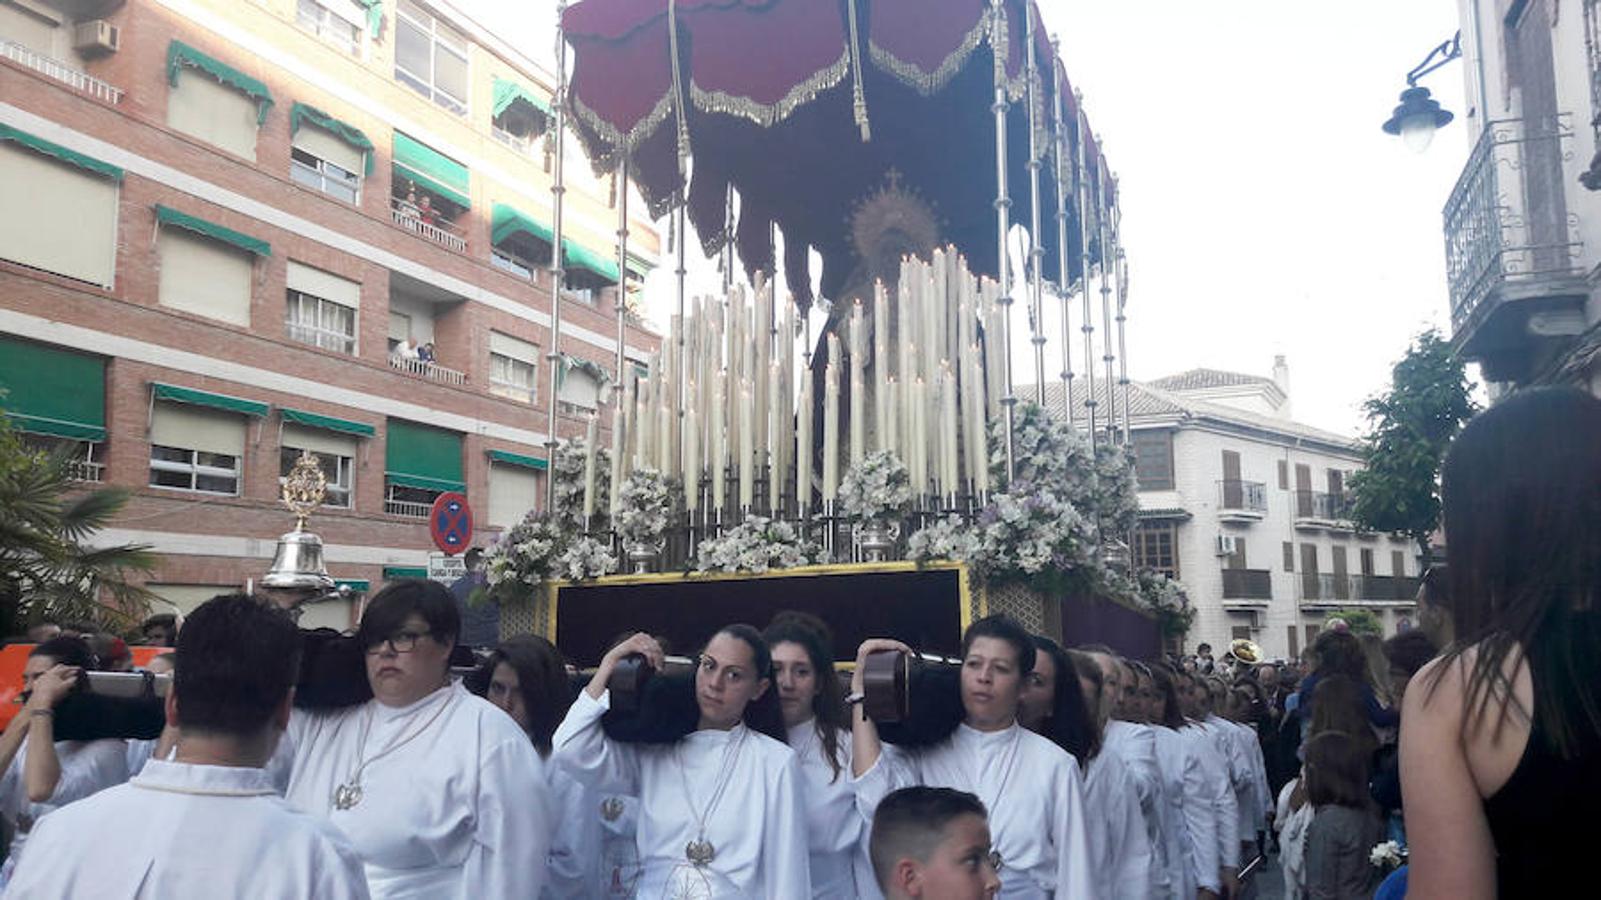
<point>298,564</point>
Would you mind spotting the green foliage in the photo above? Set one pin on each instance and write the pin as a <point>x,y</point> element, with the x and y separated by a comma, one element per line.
<point>1409,428</point>
<point>1362,621</point>
<point>45,517</point>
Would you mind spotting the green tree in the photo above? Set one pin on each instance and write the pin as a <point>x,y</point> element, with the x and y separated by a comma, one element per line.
<point>1409,428</point>
<point>1361,621</point>
<point>46,568</point>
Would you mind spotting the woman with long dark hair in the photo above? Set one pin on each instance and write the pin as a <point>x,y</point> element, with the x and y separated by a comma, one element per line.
<point>1190,823</point>
<point>1501,753</point>
<point>1060,715</point>
<point>720,809</point>
<point>813,704</point>
<point>526,677</point>
<point>1031,787</point>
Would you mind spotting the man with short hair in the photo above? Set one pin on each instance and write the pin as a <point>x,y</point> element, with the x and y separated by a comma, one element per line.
<point>208,822</point>
<point>933,842</point>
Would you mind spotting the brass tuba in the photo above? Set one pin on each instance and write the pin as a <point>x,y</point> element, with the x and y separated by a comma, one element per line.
<point>1245,651</point>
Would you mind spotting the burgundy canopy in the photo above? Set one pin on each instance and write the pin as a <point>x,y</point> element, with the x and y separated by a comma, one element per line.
<point>770,91</point>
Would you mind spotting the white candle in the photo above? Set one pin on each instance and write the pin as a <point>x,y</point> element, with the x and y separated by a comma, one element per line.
<point>664,436</point>
<point>591,437</point>
<point>831,430</point>
<point>892,417</point>
<point>803,443</point>
<point>948,430</point>
<point>691,457</point>
<point>747,447</point>
<point>618,427</point>
<point>919,437</point>
<point>777,410</point>
<point>719,440</point>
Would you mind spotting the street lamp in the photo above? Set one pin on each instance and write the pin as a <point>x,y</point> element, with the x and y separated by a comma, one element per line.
<point>1419,115</point>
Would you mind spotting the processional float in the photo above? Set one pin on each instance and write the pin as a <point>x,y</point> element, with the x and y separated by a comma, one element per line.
<point>887,138</point>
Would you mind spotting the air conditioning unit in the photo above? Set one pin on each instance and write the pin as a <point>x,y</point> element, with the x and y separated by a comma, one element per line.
<point>1227,545</point>
<point>96,36</point>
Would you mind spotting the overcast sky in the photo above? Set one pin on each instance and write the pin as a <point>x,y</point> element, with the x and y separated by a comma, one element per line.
<point>1264,211</point>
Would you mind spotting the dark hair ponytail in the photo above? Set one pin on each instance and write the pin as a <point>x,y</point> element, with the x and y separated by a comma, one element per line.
<point>812,634</point>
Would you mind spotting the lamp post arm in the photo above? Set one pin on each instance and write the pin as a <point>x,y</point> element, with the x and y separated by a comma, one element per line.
<point>1446,52</point>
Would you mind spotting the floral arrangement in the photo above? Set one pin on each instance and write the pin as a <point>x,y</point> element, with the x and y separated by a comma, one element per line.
<point>646,501</point>
<point>1387,855</point>
<point>586,558</point>
<point>567,468</point>
<point>756,545</point>
<point>1168,599</point>
<point>1024,534</point>
<point>1114,496</point>
<point>878,489</point>
<point>949,538</point>
<point>538,549</point>
<point>1046,453</point>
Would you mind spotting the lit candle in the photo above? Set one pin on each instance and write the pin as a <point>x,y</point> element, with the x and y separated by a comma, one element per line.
<point>803,443</point>
<point>831,428</point>
<point>719,440</point>
<point>691,457</point>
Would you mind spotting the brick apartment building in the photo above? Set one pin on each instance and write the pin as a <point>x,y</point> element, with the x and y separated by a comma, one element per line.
<point>238,229</point>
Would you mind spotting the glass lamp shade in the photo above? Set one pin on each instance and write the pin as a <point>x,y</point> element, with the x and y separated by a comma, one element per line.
<point>1417,132</point>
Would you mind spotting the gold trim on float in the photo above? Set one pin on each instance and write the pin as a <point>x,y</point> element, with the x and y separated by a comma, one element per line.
<point>965,590</point>
<point>767,115</point>
<point>929,83</point>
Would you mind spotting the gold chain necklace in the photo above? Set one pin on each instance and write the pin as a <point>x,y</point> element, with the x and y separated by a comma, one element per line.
<point>349,794</point>
<point>700,851</point>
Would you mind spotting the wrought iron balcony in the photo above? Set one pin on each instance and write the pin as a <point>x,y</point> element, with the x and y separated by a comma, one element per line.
<point>1241,501</point>
<point>1511,243</point>
<point>407,508</point>
<point>1247,584</point>
<point>60,71</point>
<point>1318,509</point>
<point>1316,587</point>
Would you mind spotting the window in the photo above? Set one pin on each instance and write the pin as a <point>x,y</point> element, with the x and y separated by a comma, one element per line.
<point>1153,460</point>
<point>431,57</point>
<point>399,330</point>
<point>89,457</point>
<point>28,27</point>
<point>1284,475</point>
<point>71,225</point>
<point>579,392</point>
<point>205,277</point>
<point>1398,563</point>
<point>338,23</point>
<point>421,462</point>
<point>507,261</point>
<point>1156,548</point>
<point>1240,632</point>
<point>335,452</point>
<point>1236,560</point>
<point>195,449</point>
<point>513,491</point>
<point>321,175</point>
<point>1367,561</point>
<point>1289,556</point>
<point>320,309</point>
<point>204,108</point>
<point>512,367</point>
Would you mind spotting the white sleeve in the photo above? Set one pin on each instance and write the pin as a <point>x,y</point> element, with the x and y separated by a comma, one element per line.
<point>894,769</point>
<point>786,860</point>
<point>340,875</point>
<point>101,764</point>
<point>1130,877</point>
<point>1228,809</point>
<point>514,821</point>
<point>1201,772</point>
<point>582,749</point>
<point>1074,880</point>
<point>572,854</point>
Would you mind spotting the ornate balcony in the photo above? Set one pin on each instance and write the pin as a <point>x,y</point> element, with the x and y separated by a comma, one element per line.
<point>425,369</point>
<point>1316,510</point>
<point>1511,248</point>
<point>1322,589</point>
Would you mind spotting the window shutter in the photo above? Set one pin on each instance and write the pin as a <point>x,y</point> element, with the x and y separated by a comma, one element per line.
<point>205,277</point>
<point>71,223</point>
<point>195,428</point>
<point>1289,556</point>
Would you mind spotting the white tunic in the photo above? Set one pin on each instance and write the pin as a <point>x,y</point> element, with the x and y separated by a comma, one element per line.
<point>1031,788</point>
<point>185,831</point>
<point>1135,743</point>
<point>575,841</point>
<point>1222,851</point>
<point>1183,790</point>
<point>1120,853</point>
<point>835,828</point>
<point>1227,739</point>
<point>756,826</point>
<point>619,843</point>
<point>457,811</point>
<point>87,767</point>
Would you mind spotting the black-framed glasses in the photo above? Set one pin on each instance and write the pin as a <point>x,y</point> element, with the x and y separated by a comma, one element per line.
<point>399,642</point>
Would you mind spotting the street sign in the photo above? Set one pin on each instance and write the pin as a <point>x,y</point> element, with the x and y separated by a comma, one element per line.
<point>450,523</point>
<point>445,568</point>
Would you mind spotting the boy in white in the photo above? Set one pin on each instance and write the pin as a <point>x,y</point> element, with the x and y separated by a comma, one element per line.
<point>208,822</point>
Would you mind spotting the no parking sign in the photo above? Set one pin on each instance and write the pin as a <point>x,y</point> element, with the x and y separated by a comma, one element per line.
<point>450,523</point>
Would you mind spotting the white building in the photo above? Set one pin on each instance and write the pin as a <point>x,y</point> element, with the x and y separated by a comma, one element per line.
<point>1248,508</point>
<point>1523,224</point>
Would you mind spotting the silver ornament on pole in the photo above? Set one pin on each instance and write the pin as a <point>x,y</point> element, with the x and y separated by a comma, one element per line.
<point>1082,168</point>
<point>1108,261</point>
<point>298,563</point>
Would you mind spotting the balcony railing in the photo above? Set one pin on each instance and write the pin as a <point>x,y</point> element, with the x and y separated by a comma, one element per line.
<point>1247,584</point>
<point>60,71</point>
<point>409,217</point>
<point>1326,588</point>
<point>1322,507</point>
<point>425,369</point>
<point>407,508</point>
<point>1506,223</point>
<point>1244,496</point>
<point>84,470</point>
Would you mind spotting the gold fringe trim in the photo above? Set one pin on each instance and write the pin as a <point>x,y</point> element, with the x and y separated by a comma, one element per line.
<point>769,115</point>
<point>927,83</point>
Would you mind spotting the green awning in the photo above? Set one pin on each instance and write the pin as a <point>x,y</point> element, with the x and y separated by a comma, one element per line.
<point>433,170</point>
<point>356,585</point>
<point>328,423</point>
<point>301,113</point>
<point>169,216</point>
<point>40,145</point>
<point>517,459</point>
<point>223,402</point>
<point>393,572</point>
<point>509,92</point>
<point>638,266</point>
<point>375,16</point>
<point>507,221</point>
<point>53,391</point>
<point>584,258</point>
<point>422,456</point>
<point>180,54</point>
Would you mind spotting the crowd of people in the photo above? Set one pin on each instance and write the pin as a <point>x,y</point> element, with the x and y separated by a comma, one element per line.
<point>1042,771</point>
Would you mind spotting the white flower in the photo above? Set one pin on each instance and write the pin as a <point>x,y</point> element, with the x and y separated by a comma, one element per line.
<point>755,545</point>
<point>877,489</point>
<point>1388,854</point>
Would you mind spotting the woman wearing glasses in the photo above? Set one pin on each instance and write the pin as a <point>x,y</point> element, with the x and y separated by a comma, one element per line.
<point>720,811</point>
<point>441,793</point>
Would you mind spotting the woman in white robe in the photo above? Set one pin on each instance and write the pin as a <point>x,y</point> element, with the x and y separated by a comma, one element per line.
<point>720,809</point>
<point>1214,851</point>
<point>440,793</point>
<point>41,773</point>
<point>812,701</point>
<point>526,677</point>
<point>1031,788</point>
<point>1188,820</point>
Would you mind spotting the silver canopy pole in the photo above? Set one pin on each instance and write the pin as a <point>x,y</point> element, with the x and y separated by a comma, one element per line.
<point>1088,326</point>
<point>1108,261</point>
<point>557,272</point>
<point>1003,220</point>
<point>1064,281</point>
<point>1036,318</point>
<point>622,265</point>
